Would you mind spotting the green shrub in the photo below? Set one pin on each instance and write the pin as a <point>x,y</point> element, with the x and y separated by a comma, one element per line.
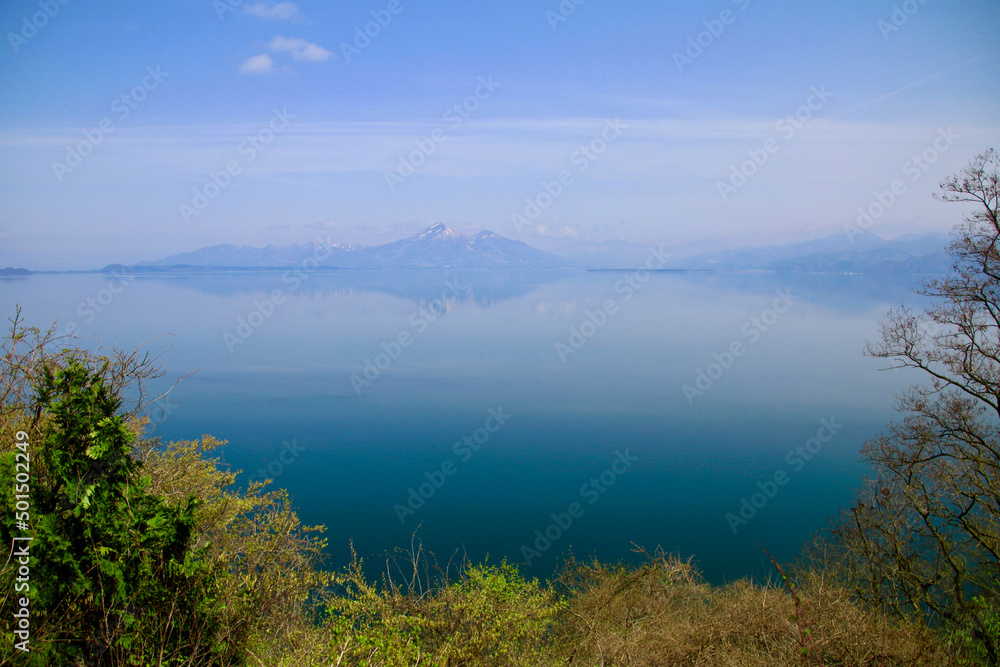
<point>979,637</point>
<point>114,579</point>
<point>490,616</point>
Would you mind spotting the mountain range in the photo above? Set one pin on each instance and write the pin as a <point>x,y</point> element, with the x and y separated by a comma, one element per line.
<point>864,252</point>
<point>441,247</point>
<point>435,247</point>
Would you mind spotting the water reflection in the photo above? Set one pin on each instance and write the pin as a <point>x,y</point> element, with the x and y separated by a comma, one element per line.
<point>359,454</point>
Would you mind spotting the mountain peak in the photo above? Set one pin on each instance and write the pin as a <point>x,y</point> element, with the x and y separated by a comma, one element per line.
<point>438,231</point>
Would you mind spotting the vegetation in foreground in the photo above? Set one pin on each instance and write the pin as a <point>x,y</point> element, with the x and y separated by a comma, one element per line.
<point>147,554</point>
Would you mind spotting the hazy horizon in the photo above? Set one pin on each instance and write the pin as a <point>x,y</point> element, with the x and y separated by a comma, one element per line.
<point>291,124</point>
<point>601,253</point>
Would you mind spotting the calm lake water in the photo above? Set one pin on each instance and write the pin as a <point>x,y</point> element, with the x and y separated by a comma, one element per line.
<point>597,426</point>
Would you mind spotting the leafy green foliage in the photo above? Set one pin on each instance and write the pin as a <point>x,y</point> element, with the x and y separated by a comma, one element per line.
<point>490,616</point>
<point>977,641</point>
<point>111,563</point>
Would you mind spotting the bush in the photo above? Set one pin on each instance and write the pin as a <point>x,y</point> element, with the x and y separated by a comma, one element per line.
<point>142,554</point>
<point>490,616</point>
<point>663,613</point>
<point>114,579</point>
<point>975,641</point>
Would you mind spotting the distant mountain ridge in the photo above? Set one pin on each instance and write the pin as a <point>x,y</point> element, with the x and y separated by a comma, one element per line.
<point>439,247</point>
<point>435,247</point>
<point>232,256</point>
<point>865,252</point>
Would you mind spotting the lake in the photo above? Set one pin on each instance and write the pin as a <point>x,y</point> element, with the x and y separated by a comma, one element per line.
<point>521,414</point>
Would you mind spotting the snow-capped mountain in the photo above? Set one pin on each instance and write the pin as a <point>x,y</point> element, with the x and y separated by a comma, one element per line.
<point>436,247</point>
<point>439,247</point>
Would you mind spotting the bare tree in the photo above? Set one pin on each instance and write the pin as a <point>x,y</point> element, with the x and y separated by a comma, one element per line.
<point>26,351</point>
<point>923,537</point>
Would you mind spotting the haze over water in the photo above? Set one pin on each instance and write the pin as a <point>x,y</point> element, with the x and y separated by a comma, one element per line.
<point>354,451</point>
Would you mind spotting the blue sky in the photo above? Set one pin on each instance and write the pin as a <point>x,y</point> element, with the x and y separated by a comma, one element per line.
<point>327,120</point>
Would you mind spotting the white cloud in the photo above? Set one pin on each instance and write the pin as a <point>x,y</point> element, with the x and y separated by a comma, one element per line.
<point>283,11</point>
<point>262,64</point>
<point>299,48</point>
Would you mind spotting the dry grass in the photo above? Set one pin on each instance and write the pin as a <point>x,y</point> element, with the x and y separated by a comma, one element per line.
<point>657,614</point>
<point>662,613</point>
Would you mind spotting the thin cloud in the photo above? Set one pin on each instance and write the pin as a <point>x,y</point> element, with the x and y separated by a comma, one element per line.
<point>566,232</point>
<point>886,96</point>
<point>282,11</point>
<point>262,64</point>
<point>300,49</point>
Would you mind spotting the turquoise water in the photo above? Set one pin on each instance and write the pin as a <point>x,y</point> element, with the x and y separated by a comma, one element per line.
<point>597,426</point>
